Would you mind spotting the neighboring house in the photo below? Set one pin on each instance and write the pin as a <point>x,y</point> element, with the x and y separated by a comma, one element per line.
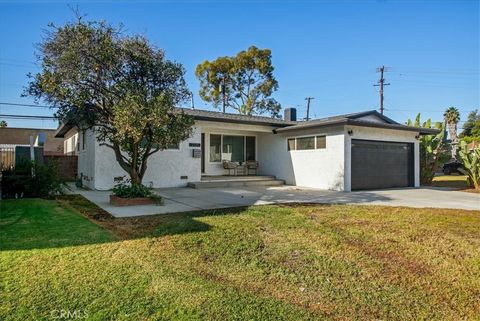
<point>41,138</point>
<point>348,152</point>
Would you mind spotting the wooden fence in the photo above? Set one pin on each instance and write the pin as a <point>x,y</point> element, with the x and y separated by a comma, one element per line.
<point>7,156</point>
<point>67,164</point>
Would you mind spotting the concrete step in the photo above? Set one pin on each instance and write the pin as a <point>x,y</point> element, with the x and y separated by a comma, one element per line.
<point>237,178</point>
<point>237,182</point>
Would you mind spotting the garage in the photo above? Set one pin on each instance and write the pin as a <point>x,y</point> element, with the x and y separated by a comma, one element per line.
<point>380,164</point>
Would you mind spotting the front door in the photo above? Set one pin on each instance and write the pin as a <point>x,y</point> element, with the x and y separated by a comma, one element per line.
<point>203,153</point>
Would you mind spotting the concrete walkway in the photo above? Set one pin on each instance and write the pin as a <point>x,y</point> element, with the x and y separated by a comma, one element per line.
<point>189,199</point>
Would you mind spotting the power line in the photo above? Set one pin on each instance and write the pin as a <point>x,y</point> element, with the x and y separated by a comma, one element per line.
<point>26,117</point>
<point>26,105</point>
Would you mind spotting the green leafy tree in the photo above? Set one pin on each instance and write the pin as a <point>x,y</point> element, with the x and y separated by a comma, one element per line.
<point>432,148</point>
<point>119,85</point>
<point>452,117</point>
<point>471,127</point>
<point>3,124</point>
<point>245,82</point>
<point>471,162</point>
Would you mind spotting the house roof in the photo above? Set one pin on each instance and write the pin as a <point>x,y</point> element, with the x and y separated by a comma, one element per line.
<point>200,114</point>
<point>283,125</point>
<point>358,119</point>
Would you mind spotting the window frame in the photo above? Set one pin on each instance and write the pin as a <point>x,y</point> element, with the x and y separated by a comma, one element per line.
<point>316,148</point>
<point>221,134</point>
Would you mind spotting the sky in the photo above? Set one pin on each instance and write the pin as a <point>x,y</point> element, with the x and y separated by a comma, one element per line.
<point>328,50</point>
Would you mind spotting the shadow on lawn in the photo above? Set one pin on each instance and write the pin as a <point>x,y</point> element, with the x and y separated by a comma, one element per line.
<point>41,224</point>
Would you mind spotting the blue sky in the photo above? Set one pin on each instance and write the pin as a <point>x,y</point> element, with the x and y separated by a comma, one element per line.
<point>325,49</point>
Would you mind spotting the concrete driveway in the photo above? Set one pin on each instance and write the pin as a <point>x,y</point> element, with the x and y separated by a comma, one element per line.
<point>188,199</point>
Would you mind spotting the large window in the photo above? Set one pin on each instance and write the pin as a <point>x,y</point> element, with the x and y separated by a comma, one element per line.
<point>306,143</point>
<point>232,147</point>
<point>215,143</point>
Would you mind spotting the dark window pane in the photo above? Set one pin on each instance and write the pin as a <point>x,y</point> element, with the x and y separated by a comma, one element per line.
<point>250,148</point>
<point>215,142</point>
<point>321,142</point>
<point>305,143</point>
<point>234,148</point>
<point>291,144</point>
<point>173,146</point>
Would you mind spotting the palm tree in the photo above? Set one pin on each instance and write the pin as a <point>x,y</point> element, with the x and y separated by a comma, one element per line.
<point>452,117</point>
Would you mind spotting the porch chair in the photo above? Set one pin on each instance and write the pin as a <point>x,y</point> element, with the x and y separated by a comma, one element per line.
<point>230,166</point>
<point>251,165</point>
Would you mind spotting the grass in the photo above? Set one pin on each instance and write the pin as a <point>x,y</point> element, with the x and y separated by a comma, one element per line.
<point>297,262</point>
<point>451,181</point>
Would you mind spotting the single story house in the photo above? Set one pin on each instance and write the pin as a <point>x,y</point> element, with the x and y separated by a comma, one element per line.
<point>364,150</point>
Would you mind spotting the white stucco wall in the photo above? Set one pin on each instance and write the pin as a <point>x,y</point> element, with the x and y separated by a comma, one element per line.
<point>70,142</point>
<point>86,159</point>
<point>165,168</point>
<point>379,134</point>
<point>319,168</point>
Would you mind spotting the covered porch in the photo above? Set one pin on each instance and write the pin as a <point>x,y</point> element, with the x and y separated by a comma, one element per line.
<point>231,150</point>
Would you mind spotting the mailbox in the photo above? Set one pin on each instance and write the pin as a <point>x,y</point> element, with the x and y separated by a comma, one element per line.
<point>197,153</point>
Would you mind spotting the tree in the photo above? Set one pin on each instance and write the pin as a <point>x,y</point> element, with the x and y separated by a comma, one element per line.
<point>245,82</point>
<point>471,128</point>
<point>3,124</point>
<point>119,85</point>
<point>452,117</point>
<point>432,148</point>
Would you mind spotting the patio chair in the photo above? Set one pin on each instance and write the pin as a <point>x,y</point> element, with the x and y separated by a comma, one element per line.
<point>230,166</point>
<point>251,166</point>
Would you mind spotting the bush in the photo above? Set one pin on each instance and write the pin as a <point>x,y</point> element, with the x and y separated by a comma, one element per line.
<point>128,190</point>
<point>471,161</point>
<point>19,182</point>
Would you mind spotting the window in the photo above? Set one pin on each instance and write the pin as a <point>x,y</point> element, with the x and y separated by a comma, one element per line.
<point>84,140</point>
<point>74,144</point>
<point>321,142</point>
<point>250,148</point>
<point>173,146</point>
<point>291,144</point>
<point>234,148</point>
<point>304,143</point>
<point>215,143</point>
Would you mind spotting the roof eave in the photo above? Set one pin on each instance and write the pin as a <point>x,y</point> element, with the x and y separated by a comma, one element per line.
<point>63,129</point>
<point>420,130</point>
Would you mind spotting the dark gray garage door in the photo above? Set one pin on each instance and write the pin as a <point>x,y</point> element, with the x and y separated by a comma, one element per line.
<point>377,164</point>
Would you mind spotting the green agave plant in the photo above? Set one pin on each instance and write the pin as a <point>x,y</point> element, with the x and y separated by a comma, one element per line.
<point>471,162</point>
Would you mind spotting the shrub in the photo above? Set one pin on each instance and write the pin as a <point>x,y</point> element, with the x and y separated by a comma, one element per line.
<point>471,162</point>
<point>19,182</point>
<point>128,190</point>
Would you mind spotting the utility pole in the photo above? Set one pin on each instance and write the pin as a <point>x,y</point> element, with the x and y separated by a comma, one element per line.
<point>308,107</point>
<point>193,103</point>
<point>381,83</point>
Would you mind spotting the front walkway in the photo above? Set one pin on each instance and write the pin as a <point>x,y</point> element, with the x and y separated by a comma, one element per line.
<point>189,199</point>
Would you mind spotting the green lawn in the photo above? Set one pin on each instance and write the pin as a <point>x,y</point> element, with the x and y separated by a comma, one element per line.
<point>263,263</point>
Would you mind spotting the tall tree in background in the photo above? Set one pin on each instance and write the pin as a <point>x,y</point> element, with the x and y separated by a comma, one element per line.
<point>244,82</point>
<point>471,127</point>
<point>120,86</point>
<point>452,117</point>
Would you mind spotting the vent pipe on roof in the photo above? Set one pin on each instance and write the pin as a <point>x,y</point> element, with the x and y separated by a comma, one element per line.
<point>290,114</point>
